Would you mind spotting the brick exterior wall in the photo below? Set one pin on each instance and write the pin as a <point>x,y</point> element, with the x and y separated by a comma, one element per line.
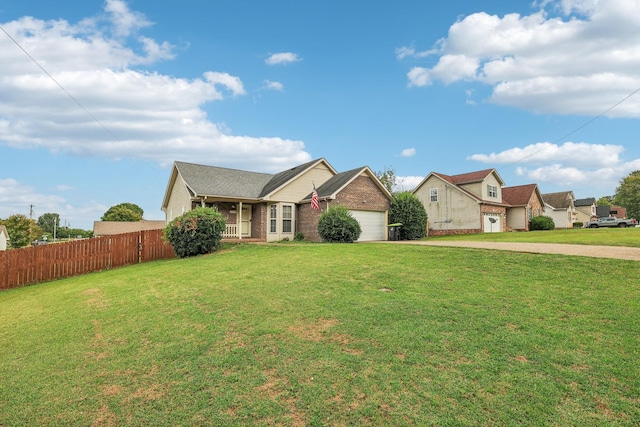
<point>259,222</point>
<point>362,194</point>
<point>307,222</point>
<point>537,209</point>
<point>432,232</point>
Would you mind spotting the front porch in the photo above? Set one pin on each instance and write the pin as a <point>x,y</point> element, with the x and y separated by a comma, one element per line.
<point>244,220</point>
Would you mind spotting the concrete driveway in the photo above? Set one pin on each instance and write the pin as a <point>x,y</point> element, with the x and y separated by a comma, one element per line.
<point>618,252</point>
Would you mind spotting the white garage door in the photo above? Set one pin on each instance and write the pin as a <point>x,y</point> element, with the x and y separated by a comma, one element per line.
<point>492,223</point>
<point>372,224</point>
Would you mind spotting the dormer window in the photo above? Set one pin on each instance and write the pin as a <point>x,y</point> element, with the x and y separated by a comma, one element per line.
<point>492,191</point>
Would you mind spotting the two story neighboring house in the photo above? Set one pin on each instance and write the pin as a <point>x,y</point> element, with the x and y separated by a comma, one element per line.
<point>463,204</point>
<point>585,209</point>
<point>559,206</point>
<point>272,207</point>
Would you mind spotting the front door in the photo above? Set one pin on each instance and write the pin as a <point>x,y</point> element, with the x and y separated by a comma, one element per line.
<point>245,221</point>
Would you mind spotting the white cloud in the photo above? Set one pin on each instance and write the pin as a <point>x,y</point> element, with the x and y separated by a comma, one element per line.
<point>125,21</point>
<point>17,198</point>
<point>269,85</point>
<point>594,166</point>
<point>407,183</point>
<point>410,51</point>
<point>144,115</point>
<point>569,57</point>
<point>282,58</point>
<point>408,152</point>
<point>579,154</point>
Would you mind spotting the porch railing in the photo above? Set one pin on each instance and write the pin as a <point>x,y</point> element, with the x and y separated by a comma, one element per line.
<point>231,230</point>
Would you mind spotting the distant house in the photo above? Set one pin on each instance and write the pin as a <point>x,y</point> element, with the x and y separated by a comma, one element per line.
<point>4,238</point>
<point>559,206</point>
<point>605,211</point>
<point>464,204</point>
<point>525,202</point>
<point>585,209</point>
<point>272,207</point>
<point>108,228</point>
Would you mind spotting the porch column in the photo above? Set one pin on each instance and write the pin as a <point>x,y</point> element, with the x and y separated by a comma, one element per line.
<point>239,221</point>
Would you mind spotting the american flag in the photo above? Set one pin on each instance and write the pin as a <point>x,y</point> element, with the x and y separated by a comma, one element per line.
<point>314,199</point>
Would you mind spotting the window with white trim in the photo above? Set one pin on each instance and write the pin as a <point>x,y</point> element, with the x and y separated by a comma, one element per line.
<point>492,190</point>
<point>287,218</point>
<point>433,194</point>
<point>273,218</point>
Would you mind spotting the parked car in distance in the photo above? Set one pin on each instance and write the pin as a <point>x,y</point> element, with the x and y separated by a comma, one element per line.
<point>611,221</point>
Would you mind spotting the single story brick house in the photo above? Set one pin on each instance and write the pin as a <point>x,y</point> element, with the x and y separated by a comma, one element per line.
<point>272,207</point>
<point>525,202</point>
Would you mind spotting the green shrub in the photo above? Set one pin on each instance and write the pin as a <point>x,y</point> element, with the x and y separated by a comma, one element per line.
<point>578,224</point>
<point>196,232</point>
<point>299,236</point>
<point>409,211</point>
<point>542,223</point>
<point>336,225</point>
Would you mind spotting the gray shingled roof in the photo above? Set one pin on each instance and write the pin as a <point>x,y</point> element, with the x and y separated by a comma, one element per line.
<point>282,178</point>
<point>336,182</point>
<point>584,202</point>
<point>222,182</point>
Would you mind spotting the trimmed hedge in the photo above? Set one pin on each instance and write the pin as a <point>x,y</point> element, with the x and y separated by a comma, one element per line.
<point>197,232</point>
<point>336,225</point>
<point>542,223</point>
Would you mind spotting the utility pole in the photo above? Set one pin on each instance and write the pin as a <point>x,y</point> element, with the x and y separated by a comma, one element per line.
<point>31,220</point>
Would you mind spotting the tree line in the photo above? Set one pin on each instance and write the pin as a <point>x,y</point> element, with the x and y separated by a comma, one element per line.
<point>24,231</point>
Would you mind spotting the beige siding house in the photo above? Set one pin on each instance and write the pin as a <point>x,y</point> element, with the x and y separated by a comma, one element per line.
<point>585,209</point>
<point>4,238</point>
<point>463,204</point>
<point>559,206</point>
<point>266,207</point>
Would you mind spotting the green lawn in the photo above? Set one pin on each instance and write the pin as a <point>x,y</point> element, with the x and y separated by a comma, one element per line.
<point>579,236</point>
<point>319,334</point>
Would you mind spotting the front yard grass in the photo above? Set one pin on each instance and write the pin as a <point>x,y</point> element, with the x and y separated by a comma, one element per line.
<point>577,236</point>
<point>342,334</point>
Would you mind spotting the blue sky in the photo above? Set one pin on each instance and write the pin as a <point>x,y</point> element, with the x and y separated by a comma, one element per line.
<point>124,88</point>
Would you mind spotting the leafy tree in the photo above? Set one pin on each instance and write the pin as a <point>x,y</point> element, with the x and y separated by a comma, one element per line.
<point>542,223</point>
<point>48,222</point>
<point>66,233</point>
<point>126,212</point>
<point>22,230</point>
<point>628,194</point>
<point>336,225</point>
<point>604,201</point>
<point>197,232</point>
<point>409,211</point>
<point>387,177</point>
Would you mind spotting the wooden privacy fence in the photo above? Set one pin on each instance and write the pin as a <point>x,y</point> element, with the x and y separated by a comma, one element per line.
<point>25,266</point>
